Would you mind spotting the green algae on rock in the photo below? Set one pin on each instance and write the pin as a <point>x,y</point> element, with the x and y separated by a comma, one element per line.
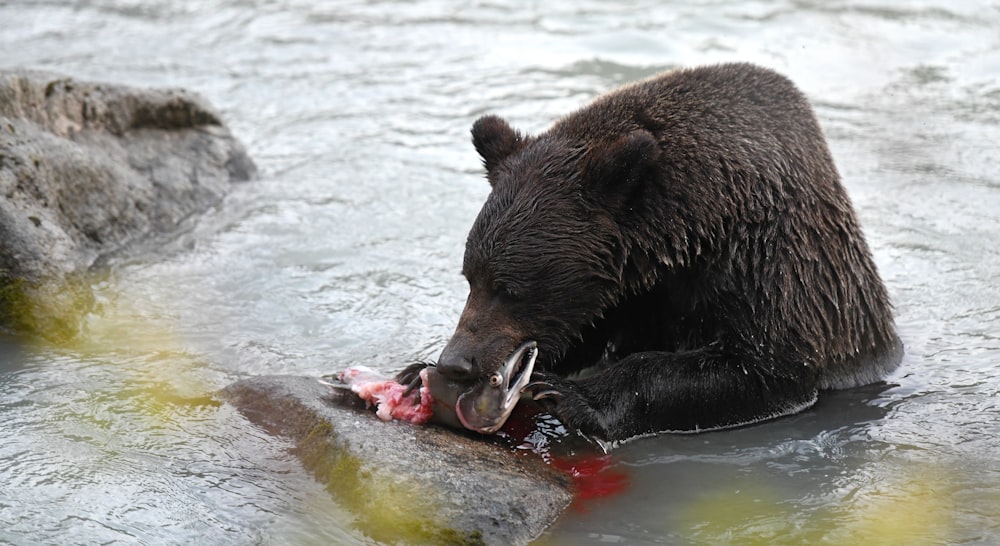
<point>405,483</point>
<point>88,170</point>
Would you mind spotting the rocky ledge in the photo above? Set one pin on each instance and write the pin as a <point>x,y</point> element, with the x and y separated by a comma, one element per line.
<point>87,169</point>
<point>406,484</point>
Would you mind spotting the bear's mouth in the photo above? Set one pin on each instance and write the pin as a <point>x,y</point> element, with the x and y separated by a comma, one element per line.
<point>486,406</point>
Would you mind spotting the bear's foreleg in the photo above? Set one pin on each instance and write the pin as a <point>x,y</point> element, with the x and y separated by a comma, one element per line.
<point>686,391</point>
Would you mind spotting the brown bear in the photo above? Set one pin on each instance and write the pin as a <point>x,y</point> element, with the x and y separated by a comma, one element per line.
<point>683,254</point>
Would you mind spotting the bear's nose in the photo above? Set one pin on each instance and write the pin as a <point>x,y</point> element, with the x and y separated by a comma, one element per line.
<point>454,365</point>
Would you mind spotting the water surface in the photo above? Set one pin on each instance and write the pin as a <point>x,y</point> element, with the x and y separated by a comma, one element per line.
<point>348,250</point>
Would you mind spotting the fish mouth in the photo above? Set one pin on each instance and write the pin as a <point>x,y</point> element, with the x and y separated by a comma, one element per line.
<point>487,405</point>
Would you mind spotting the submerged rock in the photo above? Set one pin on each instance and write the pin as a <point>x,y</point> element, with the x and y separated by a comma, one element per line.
<point>87,169</point>
<point>405,483</point>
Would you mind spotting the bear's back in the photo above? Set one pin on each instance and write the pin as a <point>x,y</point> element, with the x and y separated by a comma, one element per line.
<point>745,115</point>
<point>745,163</point>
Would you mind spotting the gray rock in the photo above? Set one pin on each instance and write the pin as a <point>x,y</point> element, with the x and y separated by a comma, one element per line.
<point>405,483</point>
<point>89,169</point>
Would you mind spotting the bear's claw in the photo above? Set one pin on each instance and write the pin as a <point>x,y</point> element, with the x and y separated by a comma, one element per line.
<point>410,376</point>
<point>547,386</point>
<point>546,394</point>
<point>565,400</point>
<point>541,389</point>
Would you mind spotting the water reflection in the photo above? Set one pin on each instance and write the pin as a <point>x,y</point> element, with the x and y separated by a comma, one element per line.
<point>11,355</point>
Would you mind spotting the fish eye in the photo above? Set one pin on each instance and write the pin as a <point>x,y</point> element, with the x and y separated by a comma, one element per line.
<point>496,379</point>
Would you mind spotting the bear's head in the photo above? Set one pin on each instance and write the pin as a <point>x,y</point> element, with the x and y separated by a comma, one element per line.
<point>545,257</point>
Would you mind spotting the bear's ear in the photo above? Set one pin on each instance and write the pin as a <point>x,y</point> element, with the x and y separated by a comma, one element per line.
<point>495,140</point>
<point>624,162</point>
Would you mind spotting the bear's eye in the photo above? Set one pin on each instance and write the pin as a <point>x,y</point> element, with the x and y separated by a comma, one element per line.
<point>506,292</point>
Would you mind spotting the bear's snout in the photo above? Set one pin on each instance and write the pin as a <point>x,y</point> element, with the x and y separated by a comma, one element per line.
<point>468,358</point>
<point>483,339</point>
<point>455,363</point>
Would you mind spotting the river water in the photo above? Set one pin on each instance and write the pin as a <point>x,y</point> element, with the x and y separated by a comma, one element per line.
<point>348,248</point>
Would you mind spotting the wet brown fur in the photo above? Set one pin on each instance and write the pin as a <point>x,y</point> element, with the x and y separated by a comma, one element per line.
<point>688,235</point>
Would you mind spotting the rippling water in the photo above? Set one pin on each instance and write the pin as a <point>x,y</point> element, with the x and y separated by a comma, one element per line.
<point>348,251</point>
